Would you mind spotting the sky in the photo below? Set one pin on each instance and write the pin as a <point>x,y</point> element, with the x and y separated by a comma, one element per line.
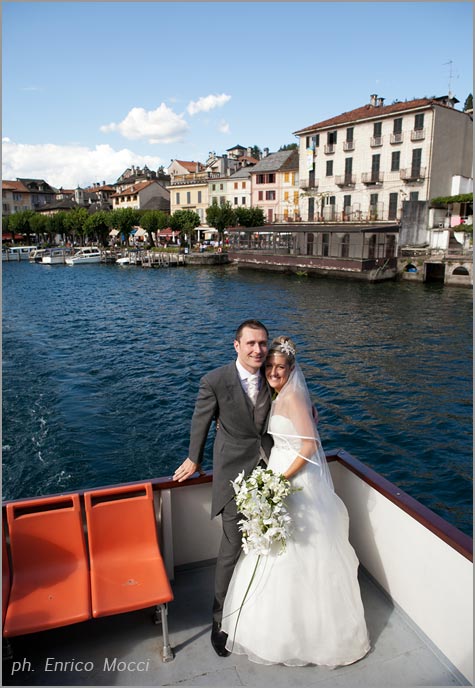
<point>91,88</point>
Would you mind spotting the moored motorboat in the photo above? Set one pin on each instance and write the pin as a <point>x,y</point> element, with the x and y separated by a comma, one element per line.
<point>416,575</point>
<point>55,256</point>
<point>87,254</point>
<point>17,252</point>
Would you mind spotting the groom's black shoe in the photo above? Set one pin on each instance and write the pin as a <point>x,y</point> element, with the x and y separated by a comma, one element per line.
<point>218,640</point>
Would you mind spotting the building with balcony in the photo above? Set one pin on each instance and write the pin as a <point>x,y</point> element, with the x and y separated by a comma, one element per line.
<point>362,165</point>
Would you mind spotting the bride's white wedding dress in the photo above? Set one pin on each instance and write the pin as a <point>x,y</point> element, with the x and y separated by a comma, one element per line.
<point>304,605</point>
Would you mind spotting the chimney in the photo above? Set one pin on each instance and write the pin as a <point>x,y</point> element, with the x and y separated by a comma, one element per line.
<point>372,99</point>
<point>380,102</point>
<point>248,151</point>
<point>265,152</point>
<point>197,166</point>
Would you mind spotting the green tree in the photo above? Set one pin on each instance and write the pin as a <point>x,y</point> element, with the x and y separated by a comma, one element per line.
<point>98,225</point>
<point>256,152</point>
<point>468,103</point>
<point>152,221</point>
<point>221,217</point>
<point>5,223</point>
<point>57,224</point>
<point>75,222</point>
<point>124,220</point>
<point>20,223</point>
<point>250,217</point>
<point>40,225</point>
<point>185,222</point>
<point>289,146</point>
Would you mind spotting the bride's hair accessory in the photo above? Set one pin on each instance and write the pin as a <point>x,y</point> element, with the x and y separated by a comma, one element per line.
<point>287,348</point>
<point>283,345</point>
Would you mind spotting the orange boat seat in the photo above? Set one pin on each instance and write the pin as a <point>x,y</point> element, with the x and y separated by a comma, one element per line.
<point>50,575</point>
<point>6,578</point>
<point>127,569</point>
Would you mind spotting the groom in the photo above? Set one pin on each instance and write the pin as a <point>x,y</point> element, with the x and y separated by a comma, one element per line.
<point>238,398</point>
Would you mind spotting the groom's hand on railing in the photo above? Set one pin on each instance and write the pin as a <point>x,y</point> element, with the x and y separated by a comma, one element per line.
<point>186,470</point>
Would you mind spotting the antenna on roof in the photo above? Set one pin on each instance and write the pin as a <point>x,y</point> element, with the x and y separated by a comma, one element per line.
<point>451,76</point>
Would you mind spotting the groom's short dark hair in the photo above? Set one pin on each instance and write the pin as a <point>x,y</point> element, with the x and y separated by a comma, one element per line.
<point>253,324</point>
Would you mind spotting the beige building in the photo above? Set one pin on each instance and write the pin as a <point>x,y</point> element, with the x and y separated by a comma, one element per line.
<point>15,197</point>
<point>149,195</point>
<point>363,164</point>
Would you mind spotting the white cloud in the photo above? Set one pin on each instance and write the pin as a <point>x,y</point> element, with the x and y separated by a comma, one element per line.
<point>207,103</point>
<point>223,127</point>
<point>68,166</point>
<point>158,126</point>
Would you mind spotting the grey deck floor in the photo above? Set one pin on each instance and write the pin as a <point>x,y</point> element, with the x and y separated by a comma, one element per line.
<point>399,656</point>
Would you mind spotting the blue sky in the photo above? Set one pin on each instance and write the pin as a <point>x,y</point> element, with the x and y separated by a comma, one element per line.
<point>90,88</point>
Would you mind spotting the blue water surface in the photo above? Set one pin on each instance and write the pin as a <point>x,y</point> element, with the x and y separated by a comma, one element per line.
<point>101,366</point>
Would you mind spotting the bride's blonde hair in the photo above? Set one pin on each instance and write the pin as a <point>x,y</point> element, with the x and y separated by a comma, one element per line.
<point>283,345</point>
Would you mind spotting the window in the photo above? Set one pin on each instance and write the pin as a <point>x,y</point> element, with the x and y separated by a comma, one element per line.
<point>261,195</point>
<point>296,197</point>
<point>271,178</point>
<point>349,134</point>
<point>377,129</point>
<point>325,244</point>
<point>395,161</point>
<point>243,200</point>
<point>236,185</point>
<point>177,199</point>
<point>375,162</point>
<point>235,200</point>
<point>188,197</point>
<point>311,208</point>
<point>331,138</point>
<point>347,204</point>
<point>345,246</point>
<point>414,196</point>
<point>199,196</point>
<point>221,187</point>
<point>348,170</point>
<point>373,206</point>
<point>397,126</point>
<point>270,195</point>
<point>329,168</point>
<point>222,200</point>
<point>416,162</point>
<point>392,212</point>
<point>286,195</point>
<point>286,177</point>
<point>213,187</point>
<point>419,122</point>
<point>243,185</point>
<point>312,141</point>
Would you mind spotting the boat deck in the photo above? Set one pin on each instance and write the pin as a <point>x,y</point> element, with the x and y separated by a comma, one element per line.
<point>400,656</point>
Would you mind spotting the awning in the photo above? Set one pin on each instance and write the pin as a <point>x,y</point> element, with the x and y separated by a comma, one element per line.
<point>9,235</point>
<point>114,232</point>
<point>140,232</point>
<point>167,233</point>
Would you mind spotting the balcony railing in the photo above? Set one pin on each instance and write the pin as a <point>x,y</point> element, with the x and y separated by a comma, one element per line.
<point>413,174</point>
<point>372,177</point>
<point>418,134</point>
<point>345,180</point>
<point>329,148</point>
<point>396,138</point>
<point>308,184</point>
<point>376,141</point>
<point>348,145</point>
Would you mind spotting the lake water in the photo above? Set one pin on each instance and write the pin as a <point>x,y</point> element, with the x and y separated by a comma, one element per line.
<point>101,366</point>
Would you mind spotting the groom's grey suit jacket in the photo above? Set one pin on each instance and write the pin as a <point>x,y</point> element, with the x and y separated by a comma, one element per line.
<point>240,433</point>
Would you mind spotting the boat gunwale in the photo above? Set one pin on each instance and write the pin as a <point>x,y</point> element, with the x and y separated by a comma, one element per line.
<point>444,530</point>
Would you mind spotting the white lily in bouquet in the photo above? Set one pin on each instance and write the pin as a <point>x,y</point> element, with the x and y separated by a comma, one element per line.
<point>260,498</point>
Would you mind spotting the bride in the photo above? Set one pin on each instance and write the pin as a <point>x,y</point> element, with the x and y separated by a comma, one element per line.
<point>302,606</point>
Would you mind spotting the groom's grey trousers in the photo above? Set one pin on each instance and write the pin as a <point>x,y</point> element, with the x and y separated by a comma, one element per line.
<point>229,552</point>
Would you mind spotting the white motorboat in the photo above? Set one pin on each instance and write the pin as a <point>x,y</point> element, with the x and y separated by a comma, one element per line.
<point>125,260</point>
<point>17,252</point>
<point>416,580</point>
<point>55,256</point>
<point>87,254</point>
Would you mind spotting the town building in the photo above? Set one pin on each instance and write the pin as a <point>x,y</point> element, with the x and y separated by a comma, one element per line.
<point>147,195</point>
<point>364,165</point>
<point>16,197</point>
<point>275,186</point>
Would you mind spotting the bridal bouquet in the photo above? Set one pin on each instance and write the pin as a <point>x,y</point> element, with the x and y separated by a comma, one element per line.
<point>260,499</point>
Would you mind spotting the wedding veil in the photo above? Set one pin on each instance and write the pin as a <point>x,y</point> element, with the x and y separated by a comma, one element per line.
<point>293,402</point>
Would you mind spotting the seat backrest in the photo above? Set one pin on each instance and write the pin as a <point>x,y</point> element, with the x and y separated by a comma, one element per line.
<point>46,537</point>
<point>121,521</point>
